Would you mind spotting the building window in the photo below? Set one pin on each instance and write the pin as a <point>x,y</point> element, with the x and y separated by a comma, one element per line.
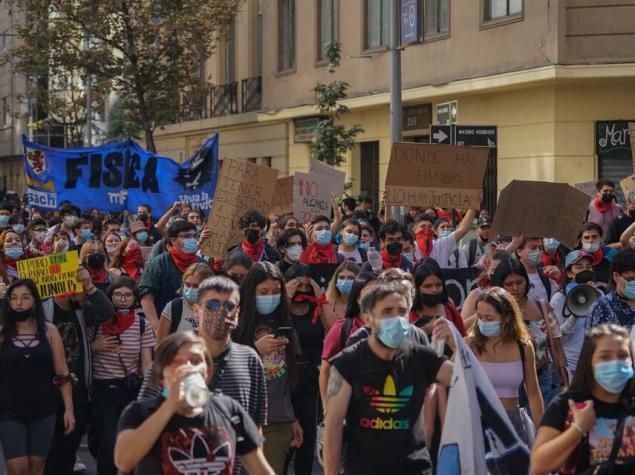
<point>502,9</point>
<point>436,18</point>
<point>328,28</point>
<point>4,112</point>
<point>286,35</point>
<point>377,28</point>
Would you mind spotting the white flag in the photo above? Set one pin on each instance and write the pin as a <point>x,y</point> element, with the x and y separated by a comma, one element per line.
<point>478,437</point>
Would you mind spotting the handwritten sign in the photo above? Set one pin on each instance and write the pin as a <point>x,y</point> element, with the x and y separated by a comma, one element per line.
<point>54,275</point>
<point>628,186</point>
<point>311,196</point>
<point>440,176</point>
<point>336,177</point>
<point>631,130</point>
<point>283,197</point>
<point>541,209</point>
<point>242,186</point>
<point>587,187</point>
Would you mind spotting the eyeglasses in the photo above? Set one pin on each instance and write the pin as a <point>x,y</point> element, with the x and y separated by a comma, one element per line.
<point>20,298</point>
<point>122,296</point>
<point>215,305</point>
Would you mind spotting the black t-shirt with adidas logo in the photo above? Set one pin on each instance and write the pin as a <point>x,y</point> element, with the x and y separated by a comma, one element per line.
<point>385,418</point>
<point>206,443</point>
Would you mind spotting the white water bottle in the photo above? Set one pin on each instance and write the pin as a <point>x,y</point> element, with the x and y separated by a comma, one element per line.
<point>195,392</point>
<point>375,259</point>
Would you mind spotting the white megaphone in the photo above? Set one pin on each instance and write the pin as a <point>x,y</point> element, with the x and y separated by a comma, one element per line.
<point>579,300</point>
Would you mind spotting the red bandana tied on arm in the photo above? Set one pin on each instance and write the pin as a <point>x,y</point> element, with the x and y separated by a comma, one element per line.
<point>316,254</point>
<point>390,261</point>
<point>253,251</point>
<point>182,260</point>
<point>133,263</point>
<point>118,323</point>
<point>601,206</point>
<point>425,241</point>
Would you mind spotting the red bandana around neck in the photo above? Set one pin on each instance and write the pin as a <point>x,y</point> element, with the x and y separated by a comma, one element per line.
<point>118,323</point>
<point>253,251</point>
<point>548,260</point>
<point>98,276</point>
<point>133,263</point>
<point>182,260</point>
<point>148,224</point>
<point>316,254</point>
<point>313,300</point>
<point>390,261</point>
<point>425,241</point>
<point>601,206</point>
<point>597,257</point>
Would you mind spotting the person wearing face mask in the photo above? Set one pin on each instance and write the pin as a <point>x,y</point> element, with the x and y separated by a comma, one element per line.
<point>320,249</point>
<point>338,291</point>
<point>178,314</point>
<point>92,257</point>
<point>554,255</point>
<point>579,271</point>
<point>253,225</point>
<point>11,251</point>
<point>542,280</point>
<point>163,275</point>
<point>473,250</point>
<point>238,370</point>
<point>266,325</point>
<point>82,232</point>
<point>348,239</point>
<point>69,214</point>
<point>144,214</point>
<point>111,242</point>
<point>591,242</point>
<point>368,377</point>
<point>501,342</point>
<point>127,260</point>
<point>139,232</point>
<point>590,427</point>
<point>60,242</point>
<point>603,208</point>
<point>367,239</point>
<point>121,346</point>
<point>618,305</point>
<point>6,211</point>
<point>291,244</point>
<point>170,433</point>
<point>33,372</point>
<point>36,232</point>
<point>390,240</point>
<point>73,315</point>
<point>408,250</point>
<point>309,321</point>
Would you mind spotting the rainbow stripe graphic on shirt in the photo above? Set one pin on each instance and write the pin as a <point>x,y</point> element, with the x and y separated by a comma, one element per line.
<point>388,401</point>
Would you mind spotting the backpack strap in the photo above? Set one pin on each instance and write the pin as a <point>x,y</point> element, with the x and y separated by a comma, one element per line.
<point>345,332</point>
<point>521,350</point>
<point>546,283</point>
<point>177,314</point>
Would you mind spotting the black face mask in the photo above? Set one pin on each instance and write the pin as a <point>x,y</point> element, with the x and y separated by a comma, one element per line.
<point>143,217</point>
<point>584,277</point>
<point>252,235</point>
<point>607,197</point>
<point>21,315</point>
<point>394,249</point>
<point>96,261</point>
<point>432,300</point>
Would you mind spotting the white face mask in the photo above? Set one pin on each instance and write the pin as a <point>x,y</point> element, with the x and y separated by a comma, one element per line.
<point>294,252</point>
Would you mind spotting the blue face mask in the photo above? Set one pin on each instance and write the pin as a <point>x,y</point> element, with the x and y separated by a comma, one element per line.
<point>141,236</point>
<point>364,245</point>
<point>323,237</point>
<point>533,258</point>
<point>410,256</point>
<point>13,252</point>
<point>629,290</point>
<point>4,220</point>
<point>86,234</point>
<point>613,375</point>
<point>551,244</point>
<point>190,245</point>
<point>445,233</point>
<point>393,331</point>
<point>266,304</point>
<point>165,392</point>
<point>489,329</point>
<point>350,239</point>
<point>344,286</point>
<point>190,294</point>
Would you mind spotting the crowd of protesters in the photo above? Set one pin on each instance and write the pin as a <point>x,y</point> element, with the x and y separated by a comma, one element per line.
<point>311,340</point>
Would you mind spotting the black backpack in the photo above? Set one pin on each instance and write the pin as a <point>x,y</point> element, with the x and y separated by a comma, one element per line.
<point>177,313</point>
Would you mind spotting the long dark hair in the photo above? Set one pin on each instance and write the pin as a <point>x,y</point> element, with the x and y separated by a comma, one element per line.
<point>248,318</point>
<point>509,267</point>
<point>352,307</point>
<point>8,322</point>
<point>427,267</point>
<point>583,378</point>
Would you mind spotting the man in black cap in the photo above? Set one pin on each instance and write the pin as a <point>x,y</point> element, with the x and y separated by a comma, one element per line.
<point>474,249</point>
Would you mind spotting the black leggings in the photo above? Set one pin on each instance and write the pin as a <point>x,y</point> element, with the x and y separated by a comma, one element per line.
<point>24,439</point>
<point>305,400</point>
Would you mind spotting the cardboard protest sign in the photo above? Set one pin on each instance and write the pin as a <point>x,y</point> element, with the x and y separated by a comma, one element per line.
<point>439,176</point>
<point>54,275</point>
<point>311,196</point>
<point>631,131</point>
<point>541,209</point>
<point>242,186</point>
<point>628,185</point>
<point>337,178</point>
<point>587,187</point>
<point>283,197</point>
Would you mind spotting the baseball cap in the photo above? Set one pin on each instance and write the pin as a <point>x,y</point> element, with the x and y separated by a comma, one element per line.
<point>484,222</point>
<point>575,256</point>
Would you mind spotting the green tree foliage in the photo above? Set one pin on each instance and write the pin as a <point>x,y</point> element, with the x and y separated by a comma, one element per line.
<point>147,52</point>
<point>332,139</point>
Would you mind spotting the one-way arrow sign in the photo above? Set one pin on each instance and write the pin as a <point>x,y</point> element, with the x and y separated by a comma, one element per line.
<point>442,134</point>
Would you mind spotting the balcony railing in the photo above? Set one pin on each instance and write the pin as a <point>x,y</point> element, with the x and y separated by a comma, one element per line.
<point>251,94</point>
<point>225,99</point>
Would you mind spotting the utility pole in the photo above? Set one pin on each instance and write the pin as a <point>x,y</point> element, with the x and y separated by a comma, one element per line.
<point>88,132</point>
<point>395,86</point>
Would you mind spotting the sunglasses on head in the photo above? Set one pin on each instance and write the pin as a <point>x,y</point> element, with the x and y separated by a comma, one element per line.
<point>215,305</point>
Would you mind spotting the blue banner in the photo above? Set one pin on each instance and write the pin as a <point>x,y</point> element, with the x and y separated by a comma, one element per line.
<point>119,176</point>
